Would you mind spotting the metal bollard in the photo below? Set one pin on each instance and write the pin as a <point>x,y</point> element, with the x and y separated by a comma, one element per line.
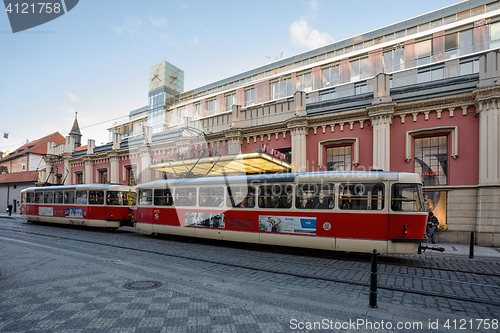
<point>471,249</point>
<point>373,280</point>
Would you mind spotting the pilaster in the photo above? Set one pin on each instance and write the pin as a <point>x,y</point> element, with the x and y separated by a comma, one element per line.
<point>234,141</point>
<point>145,172</point>
<point>67,168</point>
<point>114,171</point>
<point>298,130</point>
<point>381,119</point>
<point>89,169</point>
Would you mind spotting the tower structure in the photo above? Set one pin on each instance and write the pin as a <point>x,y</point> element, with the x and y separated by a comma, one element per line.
<point>75,132</point>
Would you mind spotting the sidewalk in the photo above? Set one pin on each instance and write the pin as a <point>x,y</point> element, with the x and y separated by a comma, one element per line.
<point>13,216</point>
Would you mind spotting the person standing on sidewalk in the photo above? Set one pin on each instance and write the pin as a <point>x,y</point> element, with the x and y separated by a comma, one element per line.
<point>432,224</point>
<point>9,209</point>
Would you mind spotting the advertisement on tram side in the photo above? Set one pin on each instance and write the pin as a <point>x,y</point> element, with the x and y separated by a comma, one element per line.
<point>45,211</point>
<point>207,220</point>
<point>287,224</point>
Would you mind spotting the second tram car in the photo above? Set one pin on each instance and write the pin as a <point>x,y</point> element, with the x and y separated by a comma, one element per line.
<point>340,211</point>
<point>92,205</point>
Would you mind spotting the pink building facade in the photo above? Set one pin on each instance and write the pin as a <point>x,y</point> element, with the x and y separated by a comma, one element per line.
<point>419,96</point>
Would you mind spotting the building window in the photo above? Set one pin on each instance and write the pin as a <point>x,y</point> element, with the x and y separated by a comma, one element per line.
<point>210,107</point>
<point>304,82</point>
<point>423,52</point>
<point>430,74</point>
<point>360,88</point>
<point>469,66</point>
<point>180,115</point>
<point>281,88</point>
<point>327,95</point>
<point>330,76</point>
<point>339,158</point>
<point>130,176</point>
<point>394,60</point>
<point>458,44</point>
<point>431,159</point>
<point>230,101</point>
<point>58,178</point>
<point>495,35</point>
<point>196,111</point>
<point>156,120</point>
<point>168,118</point>
<point>103,176</point>
<point>249,97</point>
<point>359,69</point>
<point>79,177</point>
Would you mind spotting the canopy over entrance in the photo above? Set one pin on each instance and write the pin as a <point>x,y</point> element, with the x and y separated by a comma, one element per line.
<point>247,163</point>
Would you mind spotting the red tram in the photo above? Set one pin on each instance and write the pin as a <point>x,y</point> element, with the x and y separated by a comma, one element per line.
<point>341,211</point>
<point>93,205</point>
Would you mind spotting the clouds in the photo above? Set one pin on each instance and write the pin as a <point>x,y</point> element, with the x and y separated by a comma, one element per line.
<point>303,35</point>
<point>74,98</point>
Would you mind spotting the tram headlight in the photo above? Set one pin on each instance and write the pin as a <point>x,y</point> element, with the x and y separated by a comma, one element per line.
<point>406,229</point>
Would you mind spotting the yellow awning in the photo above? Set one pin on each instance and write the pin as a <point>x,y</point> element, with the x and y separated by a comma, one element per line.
<point>248,163</point>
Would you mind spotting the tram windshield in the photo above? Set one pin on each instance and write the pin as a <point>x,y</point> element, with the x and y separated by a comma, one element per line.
<point>407,198</point>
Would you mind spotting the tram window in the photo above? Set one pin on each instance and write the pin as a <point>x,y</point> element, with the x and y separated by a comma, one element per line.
<point>113,198</point>
<point>185,196</point>
<point>145,197</point>
<point>30,197</point>
<point>48,197</point>
<point>81,197</point>
<point>38,197</point>
<point>69,197</point>
<point>241,196</point>
<point>315,196</point>
<point>23,198</point>
<point>58,197</point>
<point>128,198</point>
<point>211,197</point>
<point>96,197</point>
<point>275,196</point>
<point>163,197</point>
<point>361,196</point>
<point>120,198</point>
<point>407,198</point>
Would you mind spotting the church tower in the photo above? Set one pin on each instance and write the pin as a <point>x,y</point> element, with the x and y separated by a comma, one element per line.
<point>75,133</point>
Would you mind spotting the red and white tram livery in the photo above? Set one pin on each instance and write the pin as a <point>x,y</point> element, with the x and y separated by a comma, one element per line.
<point>93,205</point>
<point>340,211</point>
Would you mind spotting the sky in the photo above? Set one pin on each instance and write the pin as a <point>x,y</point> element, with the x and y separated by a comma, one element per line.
<point>95,59</point>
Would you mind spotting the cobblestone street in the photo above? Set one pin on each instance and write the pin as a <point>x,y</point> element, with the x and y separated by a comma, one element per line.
<point>63,279</point>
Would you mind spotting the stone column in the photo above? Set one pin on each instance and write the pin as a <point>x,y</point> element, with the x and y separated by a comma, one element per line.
<point>114,171</point>
<point>381,119</point>
<point>234,141</point>
<point>67,171</point>
<point>89,170</point>
<point>488,107</point>
<point>48,168</point>
<point>488,196</point>
<point>145,172</point>
<point>298,131</point>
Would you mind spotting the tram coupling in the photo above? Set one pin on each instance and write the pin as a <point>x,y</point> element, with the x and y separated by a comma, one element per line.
<point>433,248</point>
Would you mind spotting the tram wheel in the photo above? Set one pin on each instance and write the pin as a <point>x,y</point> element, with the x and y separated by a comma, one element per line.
<point>330,254</point>
<point>279,248</point>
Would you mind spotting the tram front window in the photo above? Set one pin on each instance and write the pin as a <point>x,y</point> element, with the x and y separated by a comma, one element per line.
<point>407,198</point>
<point>146,197</point>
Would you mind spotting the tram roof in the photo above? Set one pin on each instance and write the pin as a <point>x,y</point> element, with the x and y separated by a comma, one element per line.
<point>296,178</point>
<point>82,187</point>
